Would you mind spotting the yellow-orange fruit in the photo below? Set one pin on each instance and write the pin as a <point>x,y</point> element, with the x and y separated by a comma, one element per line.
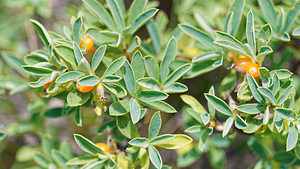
<point>83,89</point>
<point>88,43</point>
<point>103,146</point>
<point>243,64</point>
<point>253,70</point>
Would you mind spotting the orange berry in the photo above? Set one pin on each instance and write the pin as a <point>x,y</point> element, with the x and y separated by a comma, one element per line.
<point>253,70</point>
<point>243,64</point>
<point>88,43</point>
<point>104,147</point>
<point>47,85</point>
<point>83,89</point>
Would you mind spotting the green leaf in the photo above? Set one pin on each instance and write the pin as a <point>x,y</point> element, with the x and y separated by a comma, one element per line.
<point>227,126</point>
<point>176,88</point>
<point>266,115</point>
<point>176,74</point>
<point>269,11</point>
<point>267,94</point>
<point>205,56</point>
<point>202,37</point>
<point>84,66</point>
<point>81,160</point>
<point>264,35</point>
<point>116,13</point>
<point>42,81</point>
<point>69,76</point>
<point>152,67</point>
<point>119,108</point>
<point>253,124</point>
<point>291,17</point>
<point>236,10</point>
<point>105,37</point>
<point>137,64</point>
<point>135,111</point>
<point>45,37</point>
<point>98,57</point>
<point>278,121</point>
<point>54,112</point>
<point>191,101</point>
<point>253,108</point>
<point>155,157</point>
<point>87,146</point>
<point>66,53</point>
<point>253,87</point>
<point>111,79</point>
<point>250,32</point>
<point>217,157</point>
<point>285,95</point>
<point>244,93</point>
<point>155,125</point>
<point>135,44</point>
<point>149,83</point>
<point>129,77</point>
<point>126,127</point>
<point>292,138</point>
<point>58,157</point>
<point>160,105</point>
<point>285,158</point>
<point>256,147</point>
<point>97,9</point>
<point>16,63</point>
<point>142,19</point>
<point>78,54</point>
<point>76,29</point>
<point>175,142</point>
<point>168,57</point>
<point>136,8</point>
<point>37,70</point>
<point>218,104</point>
<point>240,123</point>
<point>194,129</point>
<point>76,98</point>
<point>94,164</point>
<point>150,96</point>
<point>46,145</point>
<point>115,89</point>
<point>276,84</point>
<point>204,66</point>
<point>89,80</point>
<point>154,34</point>
<point>229,42</point>
<point>296,32</point>
<point>66,149</point>
<point>139,142</point>
<point>114,66</point>
<point>265,76</point>
<point>78,116</point>
<point>41,160</point>
<point>286,113</point>
<point>282,73</point>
